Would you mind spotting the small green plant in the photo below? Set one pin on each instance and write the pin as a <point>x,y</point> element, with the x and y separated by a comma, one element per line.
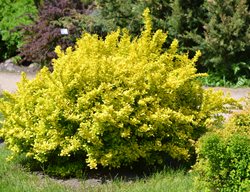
<point>16,60</point>
<point>224,157</point>
<point>214,80</point>
<point>111,103</point>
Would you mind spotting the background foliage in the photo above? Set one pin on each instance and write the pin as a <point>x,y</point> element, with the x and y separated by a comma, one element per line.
<point>13,14</point>
<point>226,45</point>
<point>44,35</point>
<point>175,16</point>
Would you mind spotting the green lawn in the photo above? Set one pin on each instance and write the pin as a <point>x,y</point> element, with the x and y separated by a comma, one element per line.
<point>15,178</point>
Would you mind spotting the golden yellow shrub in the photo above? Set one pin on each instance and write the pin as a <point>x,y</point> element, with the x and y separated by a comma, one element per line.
<point>113,101</point>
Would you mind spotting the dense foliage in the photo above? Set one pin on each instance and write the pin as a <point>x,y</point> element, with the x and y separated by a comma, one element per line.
<point>3,50</point>
<point>180,18</point>
<point>13,14</point>
<point>42,37</point>
<point>226,45</point>
<point>111,103</point>
<point>224,156</point>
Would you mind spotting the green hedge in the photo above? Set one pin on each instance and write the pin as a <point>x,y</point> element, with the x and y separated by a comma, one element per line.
<point>224,157</point>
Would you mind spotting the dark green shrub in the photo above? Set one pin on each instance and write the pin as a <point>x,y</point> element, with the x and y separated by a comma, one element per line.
<point>111,103</point>
<point>13,14</point>
<point>224,157</point>
<point>38,3</point>
<point>3,50</point>
<point>180,18</point>
<point>226,44</point>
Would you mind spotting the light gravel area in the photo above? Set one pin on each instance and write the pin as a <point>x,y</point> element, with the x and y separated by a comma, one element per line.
<point>236,93</point>
<point>8,80</point>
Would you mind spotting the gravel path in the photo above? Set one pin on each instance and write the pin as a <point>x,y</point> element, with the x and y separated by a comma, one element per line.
<point>8,80</point>
<point>236,93</point>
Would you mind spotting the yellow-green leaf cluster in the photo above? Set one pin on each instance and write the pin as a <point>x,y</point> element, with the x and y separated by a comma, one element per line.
<point>223,161</point>
<point>115,100</point>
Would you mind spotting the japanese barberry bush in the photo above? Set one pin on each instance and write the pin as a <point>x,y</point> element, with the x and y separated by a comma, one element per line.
<point>224,156</point>
<point>112,102</point>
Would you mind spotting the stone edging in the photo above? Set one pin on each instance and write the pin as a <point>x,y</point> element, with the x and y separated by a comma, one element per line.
<point>9,66</point>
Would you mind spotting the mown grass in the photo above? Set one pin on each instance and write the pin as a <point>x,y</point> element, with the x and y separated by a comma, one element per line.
<point>164,181</point>
<point>15,178</point>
